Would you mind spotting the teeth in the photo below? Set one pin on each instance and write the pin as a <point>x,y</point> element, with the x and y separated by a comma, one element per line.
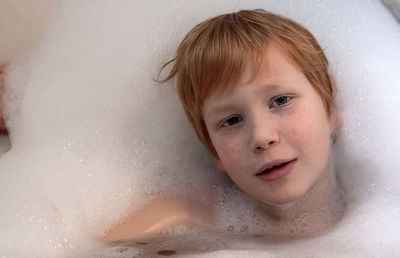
<point>274,167</point>
<point>267,170</point>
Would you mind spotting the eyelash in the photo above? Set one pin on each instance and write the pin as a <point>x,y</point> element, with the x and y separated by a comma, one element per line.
<point>224,124</point>
<point>288,99</point>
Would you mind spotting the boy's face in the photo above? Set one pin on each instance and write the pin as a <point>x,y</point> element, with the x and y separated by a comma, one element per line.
<point>271,131</point>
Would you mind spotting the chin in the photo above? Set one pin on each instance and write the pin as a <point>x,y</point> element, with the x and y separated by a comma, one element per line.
<point>285,198</point>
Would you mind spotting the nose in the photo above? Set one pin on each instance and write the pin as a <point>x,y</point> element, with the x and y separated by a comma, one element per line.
<point>264,134</point>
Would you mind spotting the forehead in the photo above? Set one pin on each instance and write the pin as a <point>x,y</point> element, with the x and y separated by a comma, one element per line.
<point>276,73</point>
<point>275,68</point>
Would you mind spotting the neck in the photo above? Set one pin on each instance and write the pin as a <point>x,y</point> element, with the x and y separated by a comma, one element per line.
<point>319,209</point>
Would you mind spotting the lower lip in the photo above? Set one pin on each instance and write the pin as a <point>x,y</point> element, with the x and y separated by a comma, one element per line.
<point>278,173</point>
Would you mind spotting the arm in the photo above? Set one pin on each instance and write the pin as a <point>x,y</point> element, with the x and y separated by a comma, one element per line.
<point>160,214</point>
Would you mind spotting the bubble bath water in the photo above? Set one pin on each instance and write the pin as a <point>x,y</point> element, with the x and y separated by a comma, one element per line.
<point>94,137</point>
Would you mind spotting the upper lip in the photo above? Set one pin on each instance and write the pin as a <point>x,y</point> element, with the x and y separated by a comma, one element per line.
<point>271,164</point>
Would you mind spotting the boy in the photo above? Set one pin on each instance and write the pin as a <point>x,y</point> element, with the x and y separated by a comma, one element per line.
<point>256,89</point>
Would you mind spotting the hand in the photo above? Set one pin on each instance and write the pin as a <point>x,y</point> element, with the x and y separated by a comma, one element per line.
<point>3,128</point>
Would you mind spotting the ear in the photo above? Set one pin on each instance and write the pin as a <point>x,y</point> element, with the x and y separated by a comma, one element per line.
<point>219,164</point>
<point>335,116</point>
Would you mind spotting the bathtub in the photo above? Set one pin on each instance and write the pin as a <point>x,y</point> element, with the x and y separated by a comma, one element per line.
<point>92,136</point>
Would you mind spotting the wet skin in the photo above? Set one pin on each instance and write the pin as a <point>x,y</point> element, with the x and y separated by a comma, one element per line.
<point>272,118</point>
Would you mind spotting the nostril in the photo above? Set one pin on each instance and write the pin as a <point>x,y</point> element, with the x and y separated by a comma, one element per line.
<point>261,147</point>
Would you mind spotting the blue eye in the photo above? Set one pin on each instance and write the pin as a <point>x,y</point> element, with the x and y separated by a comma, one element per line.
<point>232,121</point>
<point>281,100</point>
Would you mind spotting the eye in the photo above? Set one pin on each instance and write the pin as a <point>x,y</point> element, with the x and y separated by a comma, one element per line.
<point>232,121</point>
<point>281,100</point>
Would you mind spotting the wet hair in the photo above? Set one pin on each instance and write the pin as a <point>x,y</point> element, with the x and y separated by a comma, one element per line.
<point>215,53</point>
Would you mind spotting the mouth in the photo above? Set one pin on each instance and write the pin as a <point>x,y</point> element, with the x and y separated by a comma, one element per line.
<point>276,169</point>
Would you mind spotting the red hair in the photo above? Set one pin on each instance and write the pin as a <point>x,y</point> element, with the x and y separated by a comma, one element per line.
<point>215,53</point>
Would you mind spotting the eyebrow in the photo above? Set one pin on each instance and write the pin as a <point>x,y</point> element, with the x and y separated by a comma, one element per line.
<point>220,108</point>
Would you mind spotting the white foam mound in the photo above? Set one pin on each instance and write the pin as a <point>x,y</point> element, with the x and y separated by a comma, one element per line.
<point>94,136</point>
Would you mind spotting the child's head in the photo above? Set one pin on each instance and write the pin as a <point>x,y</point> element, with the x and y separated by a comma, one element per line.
<point>255,87</point>
<point>215,53</point>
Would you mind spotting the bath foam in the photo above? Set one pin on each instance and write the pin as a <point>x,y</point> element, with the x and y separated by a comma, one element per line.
<point>21,25</point>
<point>93,137</point>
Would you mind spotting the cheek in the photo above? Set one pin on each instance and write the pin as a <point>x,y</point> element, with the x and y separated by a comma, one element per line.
<point>310,132</point>
<point>229,151</point>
